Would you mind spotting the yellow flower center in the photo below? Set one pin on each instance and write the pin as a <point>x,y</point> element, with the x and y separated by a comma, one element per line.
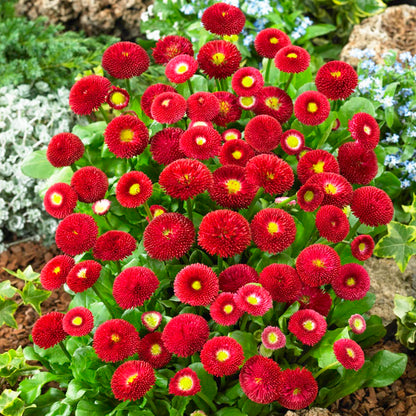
<point>318,263</point>
<point>247,101</point>
<point>270,175</point>
<point>309,195</point>
<point>166,102</point>
<point>126,136</point>
<point>56,270</point>
<point>272,227</point>
<point>252,300</point>
<point>77,321</point>
<point>357,323</point>
<point>350,352</point>
<point>272,338</point>
<point>82,274</point>
<point>309,325</point>
<point>218,58</point>
<point>228,309</point>
<point>292,141</point>
<point>223,355</point>
<point>182,68</point>
<point>155,349</point>
<point>74,232</point>
<point>312,107</point>
<point>200,141</point>
<point>131,379</point>
<point>350,281</point>
<point>318,167</point>
<point>367,130</point>
<point>361,246</point>
<point>258,380</point>
<point>151,320</point>
<point>167,233</point>
<point>134,189</point>
<point>224,107</point>
<point>336,74</point>
<point>115,338</point>
<point>274,40</point>
<point>233,186</point>
<point>273,103</point>
<point>125,54</point>
<point>56,198</point>
<point>291,55</point>
<point>158,212</point>
<point>330,189</point>
<point>118,98</point>
<point>196,285</point>
<point>237,154</point>
<point>247,81</point>
<point>101,207</point>
<point>296,391</point>
<point>230,136</point>
<point>185,383</point>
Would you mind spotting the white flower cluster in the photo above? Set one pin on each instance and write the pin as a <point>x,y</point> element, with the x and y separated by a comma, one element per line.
<point>29,117</point>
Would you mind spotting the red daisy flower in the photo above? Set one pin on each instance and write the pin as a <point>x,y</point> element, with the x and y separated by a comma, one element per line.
<point>181,68</point>
<point>274,102</point>
<point>223,19</point>
<point>357,324</point>
<point>196,285</point>
<point>90,183</point>
<point>185,383</point>
<point>308,326</point>
<point>316,299</point>
<point>263,133</point>
<point>247,103</point>
<point>202,106</point>
<point>332,223</point>
<point>224,233</point>
<point>316,161</point>
<point>310,197</point>
<point>231,134</point>
<point>273,230</point>
<point>185,178</point>
<point>133,286</point>
<point>117,98</point>
<point>101,207</point>
<point>114,245</point>
<point>125,60</point>
<point>169,47</point>
<point>259,379</point>
<point>224,310</point>
<point>292,142</point>
<point>152,350</point>
<point>357,164</point>
<point>115,340</point>
<point>229,109</point>
<point>83,275</point>
<point>151,320</point>
<point>273,338</point>
<point>297,388</point>
<point>164,145</point>
<point>219,59</point>
<point>312,108</point>
<point>78,322</point>
<point>168,236</point>
<point>60,200</point>
<point>53,274</point>
<point>150,94</point>
<point>337,190</point>
<point>133,189</point>
<point>269,41</point>
<point>231,189</point>
<point>365,130</point>
<point>362,247</point>
<point>200,143</point>
<point>352,283</point>
<point>318,265</point>
<point>88,94</point>
<point>253,299</point>
<point>222,356</point>
<point>48,330</point>
<point>168,107</point>
<point>372,206</point>
<point>247,81</point>
<point>185,334</point>
<point>336,79</point>
<point>281,281</point>
<point>64,149</point>
<point>270,172</point>
<point>236,152</point>
<point>349,354</point>
<point>76,234</point>
<point>292,59</point>
<point>126,136</point>
<point>132,380</point>
<point>236,276</point>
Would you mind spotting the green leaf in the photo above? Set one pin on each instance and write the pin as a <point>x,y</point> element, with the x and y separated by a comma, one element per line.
<point>294,307</point>
<point>411,209</point>
<point>30,388</point>
<point>398,244</point>
<point>45,403</point>
<point>75,391</point>
<point>7,309</point>
<point>28,274</point>
<point>91,407</point>
<point>403,305</point>
<point>33,296</point>
<point>7,290</point>
<point>373,333</point>
<point>390,183</point>
<point>247,341</point>
<point>352,106</point>
<point>10,404</point>
<point>230,411</point>
<point>316,30</point>
<point>208,384</point>
<point>387,368</point>
<point>37,166</point>
<point>91,134</point>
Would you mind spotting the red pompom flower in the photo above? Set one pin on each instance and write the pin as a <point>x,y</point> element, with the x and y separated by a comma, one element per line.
<point>90,184</point>
<point>224,310</point>
<point>114,245</point>
<point>48,330</point>
<point>292,59</point>
<point>237,275</point>
<point>352,283</point>
<point>55,271</point>
<point>247,81</point>
<point>365,130</point>
<point>223,19</point>
<point>274,102</point>
<point>64,149</point>
<point>78,321</point>
<point>184,383</point>
<point>310,197</point>
<point>316,161</point>
<point>60,200</point>
<point>236,152</point>
<point>229,109</point>
<point>168,107</point>
<point>202,106</point>
<point>316,299</point>
<point>133,189</point>
<point>332,223</point>
<point>169,47</point>
<point>308,326</point>
<point>312,108</point>
<point>150,94</point>
<point>83,275</point>
<point>152,350</point>
<point>349,354</point>
<point>254,299</point>
<point>231,134</point>
<point>263,133</point>
<point>269,41</point>
<point>362,247</point>
<point>164,145</point>
<point>200,143</point>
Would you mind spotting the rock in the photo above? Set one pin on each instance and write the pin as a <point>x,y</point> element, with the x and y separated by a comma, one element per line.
<point>315,411</point>
<point>119,18</point>
<point>394,29</point>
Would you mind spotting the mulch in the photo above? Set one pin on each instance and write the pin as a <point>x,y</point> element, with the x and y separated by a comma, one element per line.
<point>399,399</point>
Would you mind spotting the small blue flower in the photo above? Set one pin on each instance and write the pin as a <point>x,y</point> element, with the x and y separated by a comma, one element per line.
<point>405,56</point>
<point>406,92</point>
<point>405,183</point>
<point>248,40</point>
<point>392,138</point>
<point>356,53</point>
<point>187,9</point>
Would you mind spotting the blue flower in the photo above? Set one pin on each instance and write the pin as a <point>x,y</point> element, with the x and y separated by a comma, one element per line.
<point>392,138</point>
<point>405,56</point>
<point>405,183</point>
<point>187,9</point>
<point>392,161</point>
<point>248,40</point>
<point>406,92</point>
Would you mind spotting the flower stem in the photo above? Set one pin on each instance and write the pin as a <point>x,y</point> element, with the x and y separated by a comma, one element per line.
<point>322,370</point>
<point>106,304</point>
<point>220,264</point>
<point>285,202</point>
<point>104,114</point>
<point>189,209</point>
<point>149,398</point>
<point>244,320</point>
<point>128,86</point>
<point>73,167</point>
<point>148,212</point>
<point>217,82</point>
<point>118,264</point>
<point>108,222</point>
<point>207,401</point>
<point>61,344</point>
<point>252,206</point>
<point>289,81</point>
<point>268,66</point>
<point>191,90</point>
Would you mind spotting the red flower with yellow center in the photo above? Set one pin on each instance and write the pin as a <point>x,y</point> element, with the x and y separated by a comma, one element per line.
<point>247,81</point>
<point>312,108</point>
<point>53,274</point>
<point>152,350</point>
<point>133,189</point>
<point>200,143</point>
<point>151,320</point>
<point>362,247</point>
<point>349,354</point>
<point>292,59</point>
<point>150,94</point>
<point>78,322</point>
<point>269,41</point>
<point>231,134</point>
<point>352,283</point>
<point>254,299</point>
<point>236,152</point>
<point>310,197</point>
<point>308,326</point>
<point>365,130</point>
<point>224,310</point>
<point>60,200</point>
<point>292,142</point>
<point>274,102</point>
<point>316,299</point>
<point>181,68</point>
<point>118,98</point>
<point>316,161</point>
<point>273,338</point>
<point>83,275</point>
<point>223,19</point>
<point>229,109</point>
<point>169,47</point>
<point>168,107</point>
<point>184,383</point>
<point>357,324</point>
